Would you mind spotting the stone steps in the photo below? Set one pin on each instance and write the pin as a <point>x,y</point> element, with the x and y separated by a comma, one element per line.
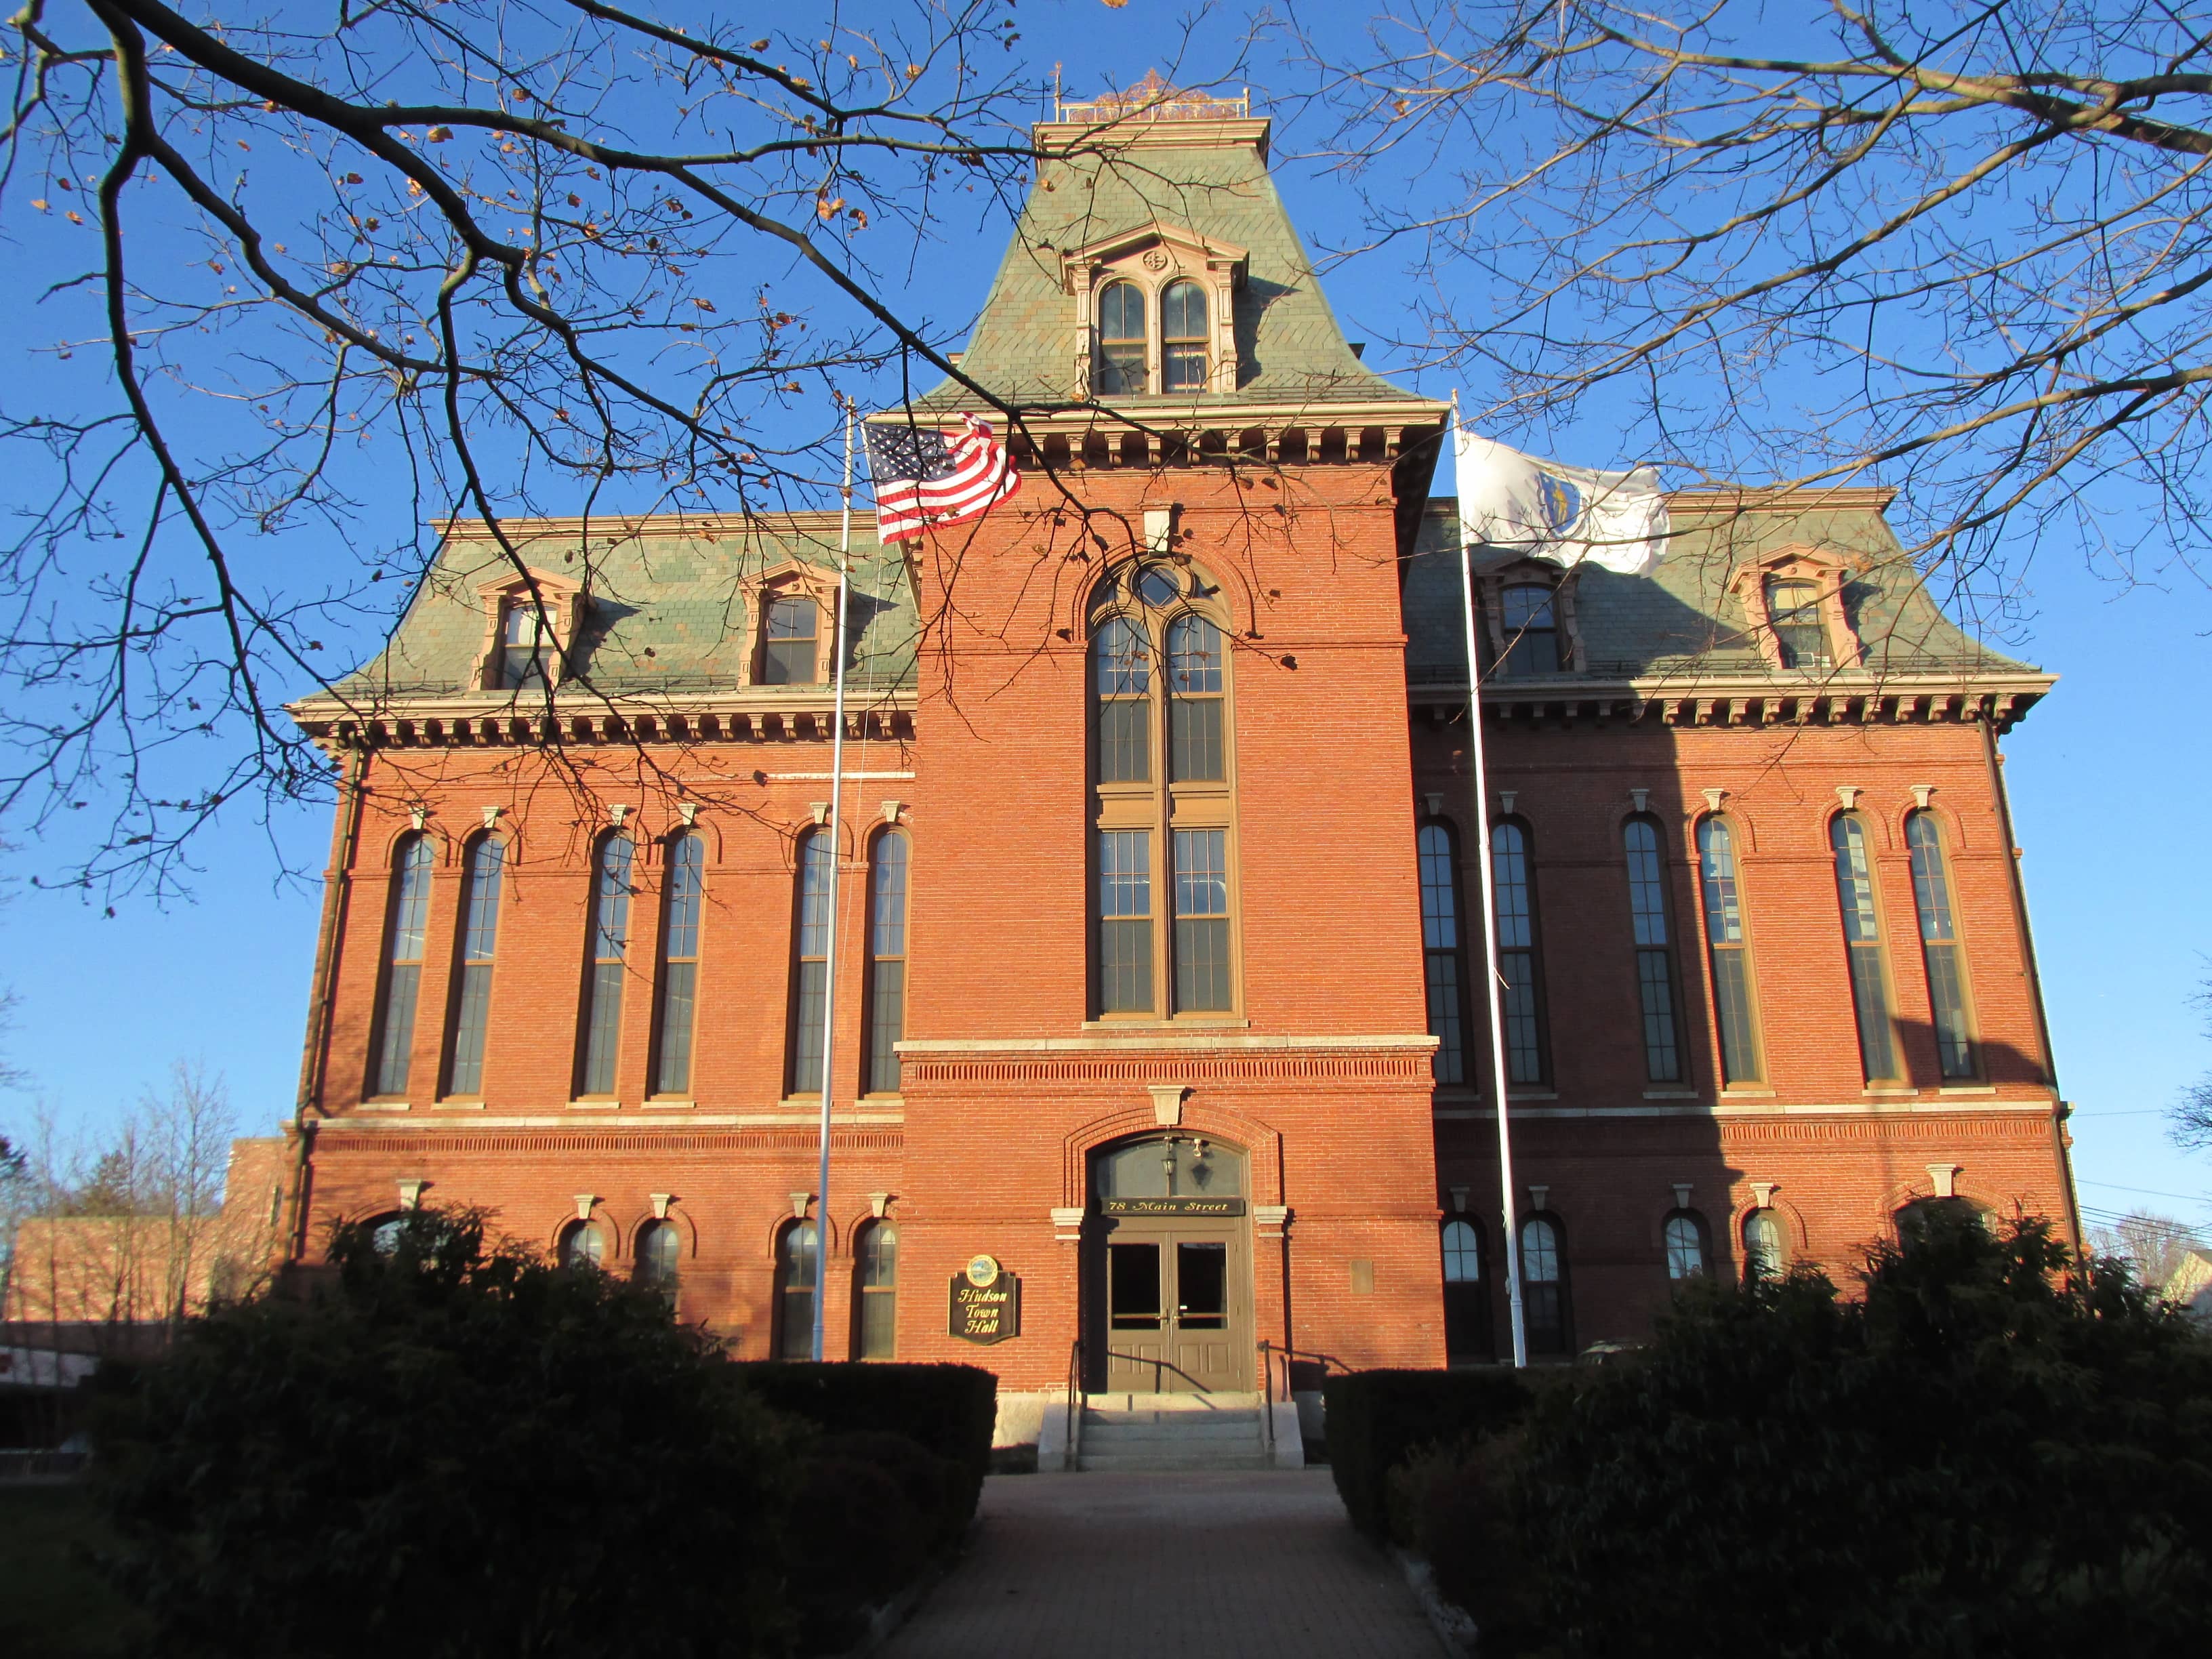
<point>1173,1432</point>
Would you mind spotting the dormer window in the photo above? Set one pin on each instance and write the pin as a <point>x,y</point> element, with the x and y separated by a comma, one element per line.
<point>1793,607</point>
<point>1532,630</point>
<point>1123,345</point>
<point>1793,611</point>
<point>1182,337</point>
<point>790,649</point>
<point>528,624</point>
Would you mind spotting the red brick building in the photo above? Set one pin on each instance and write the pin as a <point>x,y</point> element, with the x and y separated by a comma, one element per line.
<point>1153,963</point>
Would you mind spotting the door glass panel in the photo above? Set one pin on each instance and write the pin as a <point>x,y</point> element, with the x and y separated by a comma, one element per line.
<point>1202,1287</point>
<point>1134,1286</point>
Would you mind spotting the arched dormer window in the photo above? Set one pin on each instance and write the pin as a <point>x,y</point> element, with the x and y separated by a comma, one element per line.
<point>1528,619</point>
<point>1794,610</point>
<point>1528,615</point>
<point>790,640</point>
<point>1863,946</point>
<point>1123,348</point>
<point>1182,337</point>
<point>683,900</point>
<point>1940,948</point>
<point>1728,951</point>
<point>1161,838</point>
<point>794,611</point>
<point>605,964</point>
<point>1443,947</point>
<point>406,925</point>
<point>529,620</point>
<point>479,942</point>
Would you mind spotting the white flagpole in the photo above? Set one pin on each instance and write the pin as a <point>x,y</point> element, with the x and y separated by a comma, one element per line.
<point>830,953</point>
<point>1491,978</point>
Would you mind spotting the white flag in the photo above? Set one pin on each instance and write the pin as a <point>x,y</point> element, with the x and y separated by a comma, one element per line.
<point>1566,514</point>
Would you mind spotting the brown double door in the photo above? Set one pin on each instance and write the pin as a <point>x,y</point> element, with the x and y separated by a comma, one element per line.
<point>1172,1307</point>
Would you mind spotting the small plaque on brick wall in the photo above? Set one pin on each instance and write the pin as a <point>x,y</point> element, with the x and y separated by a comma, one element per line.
<point>1171,1206</point>
<point>987,1303</point>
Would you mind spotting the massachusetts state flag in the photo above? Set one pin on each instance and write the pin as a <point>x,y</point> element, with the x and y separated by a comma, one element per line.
<point>1569,515</point>
<point>924,477</point>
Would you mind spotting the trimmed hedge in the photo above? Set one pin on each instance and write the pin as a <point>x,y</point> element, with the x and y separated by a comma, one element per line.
<point>949,1409</point>
<point>1376,1419</point>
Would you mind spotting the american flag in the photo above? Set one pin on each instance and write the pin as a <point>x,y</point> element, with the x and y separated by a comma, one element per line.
<point>924,477</point>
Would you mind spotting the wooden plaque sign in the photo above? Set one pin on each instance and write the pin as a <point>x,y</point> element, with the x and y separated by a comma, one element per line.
<point>986,1302</point>
<point>1171,1206</point>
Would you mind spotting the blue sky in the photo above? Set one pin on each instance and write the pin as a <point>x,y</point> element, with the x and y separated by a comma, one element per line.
<point>2108,807</point>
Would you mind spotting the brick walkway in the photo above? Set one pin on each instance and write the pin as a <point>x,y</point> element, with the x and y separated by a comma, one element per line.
<point>1069,1566</point>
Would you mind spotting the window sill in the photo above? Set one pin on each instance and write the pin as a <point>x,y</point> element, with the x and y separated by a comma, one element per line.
<point>1532,1094</point>
<point>385,1106</point>
<point>1967,1088</point>
<point>1890,1094</point>
<point>457,1106</point>
<point>1671,1094</point>
<point>658,1105</point>
<point>1192,1023</point>
<point>1746,1094</point>
<point>595,1105</point>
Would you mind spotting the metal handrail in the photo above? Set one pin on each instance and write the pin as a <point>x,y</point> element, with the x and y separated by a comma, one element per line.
<point>1074,1452</point>
<point>1268,1396</point>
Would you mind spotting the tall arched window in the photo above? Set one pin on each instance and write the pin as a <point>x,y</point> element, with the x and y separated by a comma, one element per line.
<point>1529,619</point>
<point>582,1245</point>
<point>1122,347</point>
<point>794,1292</point>
<point>1648,911</point>
<point>1793,611</point>
<point>479,942</point>
<point>1467,1303</point>
<point>1685,1235</point>
<point>659,1255</point>
<point>1728,952</point>
<point>1939,947</point>
<point>886,987</point>
<point>810,970</point>
<point>1444,953</point>
<point>1158,836</point>
<point>1527,1056</point>
<point>1855,894</point>
<point>1183,336</point>
<point>682,903</point>
<point>875,1285</point>
<point>605,968</point>
<point>406,924</point>
<point>1544,1286</point>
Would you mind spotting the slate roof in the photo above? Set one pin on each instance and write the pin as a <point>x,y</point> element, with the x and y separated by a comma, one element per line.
<point>1682,620</point>
<point>665,609</point>
<point>1289,346</point>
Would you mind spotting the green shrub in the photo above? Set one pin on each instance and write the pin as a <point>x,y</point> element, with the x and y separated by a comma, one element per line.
<point>1987,1454</point>
<point>1376,1418</point>
<point>855,1539</point>
<point>454,1450</point>
<point>951,1409</point>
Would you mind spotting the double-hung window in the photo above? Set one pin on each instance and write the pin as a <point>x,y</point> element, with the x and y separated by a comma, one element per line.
<point>1862,947</point>
<point>1728,952</point>
<point>1940,948</point>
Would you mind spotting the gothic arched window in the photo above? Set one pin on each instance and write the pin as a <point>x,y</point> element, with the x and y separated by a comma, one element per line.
<point>809,967</point>
<point>659,1255</point>
<point>1686,1256</point>
<point>875,1285</point>
<point>794,1292</point>
<point>406,924</point>
<point>1467,1303</point>
<point>1544,1286</point>
<point>582,1245</point>
<point>1519,968</point>
<point>1765,1246</point>
<point>886,986</point>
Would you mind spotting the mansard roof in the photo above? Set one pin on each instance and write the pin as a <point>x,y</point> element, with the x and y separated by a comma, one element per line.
<point>1203,180</point>
<point>1684,624</point>
<point>664,611</point>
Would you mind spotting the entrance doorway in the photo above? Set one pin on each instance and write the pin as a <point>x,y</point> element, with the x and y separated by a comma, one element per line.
<point>1168,1286</point>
